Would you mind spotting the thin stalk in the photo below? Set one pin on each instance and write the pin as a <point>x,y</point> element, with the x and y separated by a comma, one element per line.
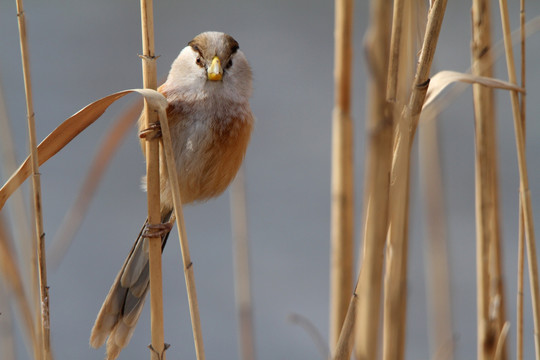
<point>170,169</point>
<point>242,282</point>
<point>44,321</point>
<point>436,244</point>
<point>521,238</point>
<point>379,127</point>
<point>525,195</point>
<point>342,217</point>
<point>520,281</point>
<point>395,45</point>
<point>395,283</point>
<point>152,175</point>
<point>489,279</point>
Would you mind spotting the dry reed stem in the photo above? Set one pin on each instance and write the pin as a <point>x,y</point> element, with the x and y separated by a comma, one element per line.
<point>242,271</point>
<point>523,176</point>
<point>379,127</point>
<point>521,235</point>
<point>395,282</point>
<point>395,45</point>
<point>489,280</point>
<point>436,244</point>
<point>342,212</point>
<point>171,171</point>
<point>520,281</point>
<point>44,323</point>
<point>152,177</point>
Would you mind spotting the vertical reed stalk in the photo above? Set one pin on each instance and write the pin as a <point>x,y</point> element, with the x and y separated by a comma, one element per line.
<point>395,283</point>
<point>525,195</point>
<point>244,306</point>
<point>489,278</point>
<point>44,321</point>
<point>152,177</point>
<point>395,45</point>
<point>342,217</point>
<point>436,247</point>
<point>379,128</point>
<point>170,169</point>
<point>521,243</point>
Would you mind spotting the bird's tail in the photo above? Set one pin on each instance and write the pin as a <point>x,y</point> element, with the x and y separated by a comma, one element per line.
<point>124,302</point>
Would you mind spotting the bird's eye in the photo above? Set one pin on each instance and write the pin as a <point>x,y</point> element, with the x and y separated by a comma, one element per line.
<point>199,61</point>
<point>229,64</point>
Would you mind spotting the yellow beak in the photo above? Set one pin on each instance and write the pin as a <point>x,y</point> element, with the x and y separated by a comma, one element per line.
<point>215,72</point>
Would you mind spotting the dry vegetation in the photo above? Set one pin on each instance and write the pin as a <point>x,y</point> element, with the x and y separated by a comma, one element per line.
<point>367,320</point>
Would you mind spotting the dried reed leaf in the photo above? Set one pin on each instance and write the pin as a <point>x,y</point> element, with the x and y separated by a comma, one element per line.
<point>440,103</point>
<point>69,129</point>
<point>442,79</point>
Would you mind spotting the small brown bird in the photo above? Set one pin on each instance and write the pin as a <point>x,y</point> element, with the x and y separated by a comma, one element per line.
<point>208,91</point>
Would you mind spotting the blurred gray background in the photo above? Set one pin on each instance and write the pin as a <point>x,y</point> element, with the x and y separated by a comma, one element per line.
<point>84,50</point>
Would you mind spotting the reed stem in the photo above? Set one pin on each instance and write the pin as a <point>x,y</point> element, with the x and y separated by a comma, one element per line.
<point>489,266</point>
<point>521,235</point>
<point>153,192</point>
<point>244,305</point>
<point>525,195</point>
<point>342,213</point>
<point>44,321</point>
<point>395,283</point>
<point>379,127</point>
<point>437,272</point>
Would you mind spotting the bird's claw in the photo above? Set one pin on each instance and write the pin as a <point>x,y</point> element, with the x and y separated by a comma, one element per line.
<point>153,131</point>
<point>157,230</point>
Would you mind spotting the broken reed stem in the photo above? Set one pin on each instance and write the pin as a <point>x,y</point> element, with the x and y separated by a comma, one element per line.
<point>489,277</point>
<point>44,320</point>
<point>379,128</point>
<point>525,195</point>
<point>342,211</point>
<point>395,283</point>
<point>521,235</point>
<point>242,271</point>
<point>171,171</point>
<point>152,179</point>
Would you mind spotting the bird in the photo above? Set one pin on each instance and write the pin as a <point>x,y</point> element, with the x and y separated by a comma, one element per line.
<point>210,119</point>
